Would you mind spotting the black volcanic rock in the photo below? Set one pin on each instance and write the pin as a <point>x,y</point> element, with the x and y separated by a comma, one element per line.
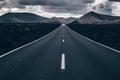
<point>24,18</point>
<point>96,18</point>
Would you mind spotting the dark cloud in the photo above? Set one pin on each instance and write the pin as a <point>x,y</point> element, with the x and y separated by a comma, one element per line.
<point>2,3</point>
<point>75,9</point>
<point>11,4</point>
<point>115,0</point>
<point>41,2</point>
<point>62,6</point>
<point>53,2</point>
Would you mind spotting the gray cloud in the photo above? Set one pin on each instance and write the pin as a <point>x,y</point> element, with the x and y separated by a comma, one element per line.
<point>53,2</point>
<point>104,8</point>
<point>115,0</point>
<point>2,3</point>
<point>74,9</point>
<point>11,4</point>
<point>63,6</point>
<point>53,6</point>
<point>78,7</point>
<point>17,3</point>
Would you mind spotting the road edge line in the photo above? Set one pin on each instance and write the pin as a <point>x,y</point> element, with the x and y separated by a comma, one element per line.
<point>96,42</point>
<point>7,53</point>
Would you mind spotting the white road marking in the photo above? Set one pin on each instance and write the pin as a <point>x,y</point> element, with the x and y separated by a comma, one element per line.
<point>63,35</point>
<point>63,62</point>
<point>63,40</point>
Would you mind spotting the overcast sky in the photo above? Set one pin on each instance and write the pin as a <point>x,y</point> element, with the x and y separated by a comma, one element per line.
<point>61,8</point>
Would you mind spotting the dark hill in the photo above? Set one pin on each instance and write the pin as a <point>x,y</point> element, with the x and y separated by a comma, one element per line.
<point>96,18</point>
<point>24,18</point>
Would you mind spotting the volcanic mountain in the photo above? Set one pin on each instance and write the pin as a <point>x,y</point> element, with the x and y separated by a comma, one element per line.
<point>96,18</point>
<point>25,18</point>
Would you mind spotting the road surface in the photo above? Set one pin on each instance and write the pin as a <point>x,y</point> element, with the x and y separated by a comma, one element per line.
<point>61,55</point>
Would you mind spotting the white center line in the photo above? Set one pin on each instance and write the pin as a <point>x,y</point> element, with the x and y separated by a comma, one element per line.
<point>63,62</point>
<point>63,35</point>
<point>63,40</point>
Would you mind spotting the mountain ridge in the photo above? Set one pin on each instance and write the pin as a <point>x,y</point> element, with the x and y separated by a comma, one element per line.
<point>88,18</point>
<point>24,18</point>
<point>96,18</point>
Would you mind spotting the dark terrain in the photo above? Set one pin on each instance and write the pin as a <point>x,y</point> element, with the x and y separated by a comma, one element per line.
<point>26,18</point>
<point>107,34</point>
<point>16,35</point>
<point>43,59</point>
<point>98,27</point>
<point>96,18</point>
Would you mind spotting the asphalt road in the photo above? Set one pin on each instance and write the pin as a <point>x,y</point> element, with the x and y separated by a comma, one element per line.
<point>61,55</point>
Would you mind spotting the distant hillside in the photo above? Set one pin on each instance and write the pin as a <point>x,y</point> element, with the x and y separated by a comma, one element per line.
<point>64,20</point>
<point>96,18</point>
<point>24,18</point>
<point>89,18</point>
